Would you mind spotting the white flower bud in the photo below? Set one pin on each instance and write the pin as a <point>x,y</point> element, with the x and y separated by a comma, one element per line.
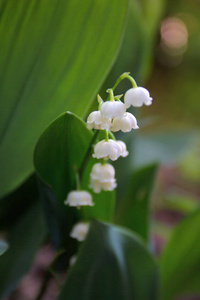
<point>96,121</point>
<point>102,177</point>
<point>112,109</point>
<point>125,124</point>
<point>124,152</point>
<point>79,198</point>
<point>110,149</point>
<point>137,97</point>
<point>79,231</point>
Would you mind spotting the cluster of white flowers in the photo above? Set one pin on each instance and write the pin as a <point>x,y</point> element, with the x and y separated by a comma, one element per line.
<point>111,117</point>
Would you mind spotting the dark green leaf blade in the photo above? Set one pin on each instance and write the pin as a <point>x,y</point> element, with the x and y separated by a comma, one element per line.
<point>54,56</point>
<point>24,240</point>
<point>61,147</point>
<point>113,264</point>
<point>180,261</point>
<point>133,209</point>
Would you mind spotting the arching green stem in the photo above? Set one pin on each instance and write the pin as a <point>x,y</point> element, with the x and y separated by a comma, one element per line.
<point>111,135</point>
<point>123,76</point>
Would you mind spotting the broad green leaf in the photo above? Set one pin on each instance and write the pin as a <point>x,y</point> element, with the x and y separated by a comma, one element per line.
<point>59,223</point>
<point>54,57</point>
<point>180,261</point>
<point>61,148</point>
<point>3,247</point>
<point>113,263</point>
<point>137,52</point>
<point>24,240</point>
<point>133,208</point>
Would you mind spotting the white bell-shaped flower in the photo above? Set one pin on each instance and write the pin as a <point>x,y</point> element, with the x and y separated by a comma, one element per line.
<point>102,177</point>
<point>99,186</point>
<point>96,121</point>
<point>124,151</point>
<point>72,260</point>
<point>102,172</point>
<point>107,149</point>
<point>79,198</point>
<point>137,97</point>
<point>79,231</point>
<point>125,124</point>
<point>112,109</point>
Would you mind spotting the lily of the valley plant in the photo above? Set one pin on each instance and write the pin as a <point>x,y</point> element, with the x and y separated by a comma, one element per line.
<point>112,116</point>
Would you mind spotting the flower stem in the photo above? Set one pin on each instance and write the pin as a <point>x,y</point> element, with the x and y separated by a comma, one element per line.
<point>78,185</point>
<point>123,76</point>
<point>48,275</point>
<point>106,134</point>
<point>111,135</point>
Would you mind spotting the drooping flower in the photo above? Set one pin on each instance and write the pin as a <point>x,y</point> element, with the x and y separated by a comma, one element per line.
<point>79,198</point>
<point>96,121</point>
<point>102,177</point>
<point>72,260</point>
<point>99,186</point>
<point>137,97</point>
<point>124,151</point>
<point>79,231</point>
<point>107,149</point>
<point>112,109</point>
<point>125,124</point>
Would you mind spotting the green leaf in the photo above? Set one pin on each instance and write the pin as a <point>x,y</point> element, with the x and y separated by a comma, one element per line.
<point>133,208</point>
<point>24,240</point>
<point>54,56</point>
<point>180,272</point>
<point>61,148</point>
<point>3,247</point>
<point>113,263</point>
<point>137,52</point>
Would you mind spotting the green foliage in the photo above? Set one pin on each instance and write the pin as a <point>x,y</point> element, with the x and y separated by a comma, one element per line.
<point>61,150</point>
<point>180,272</point>
<point>136,54</point>
<point>54,56</point>
<point>24,239</point>
<point>133,209</point>
<point>113,263</point>
<point>3,247</point>
<point>15,205</point>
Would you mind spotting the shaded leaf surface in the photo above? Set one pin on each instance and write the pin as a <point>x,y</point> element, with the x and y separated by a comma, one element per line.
<point>133,209</point>
<point>60,150</point>
<point>54,56</point>
<point>24,240</point>
<point>180,261</point>
<point>113,264</point>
